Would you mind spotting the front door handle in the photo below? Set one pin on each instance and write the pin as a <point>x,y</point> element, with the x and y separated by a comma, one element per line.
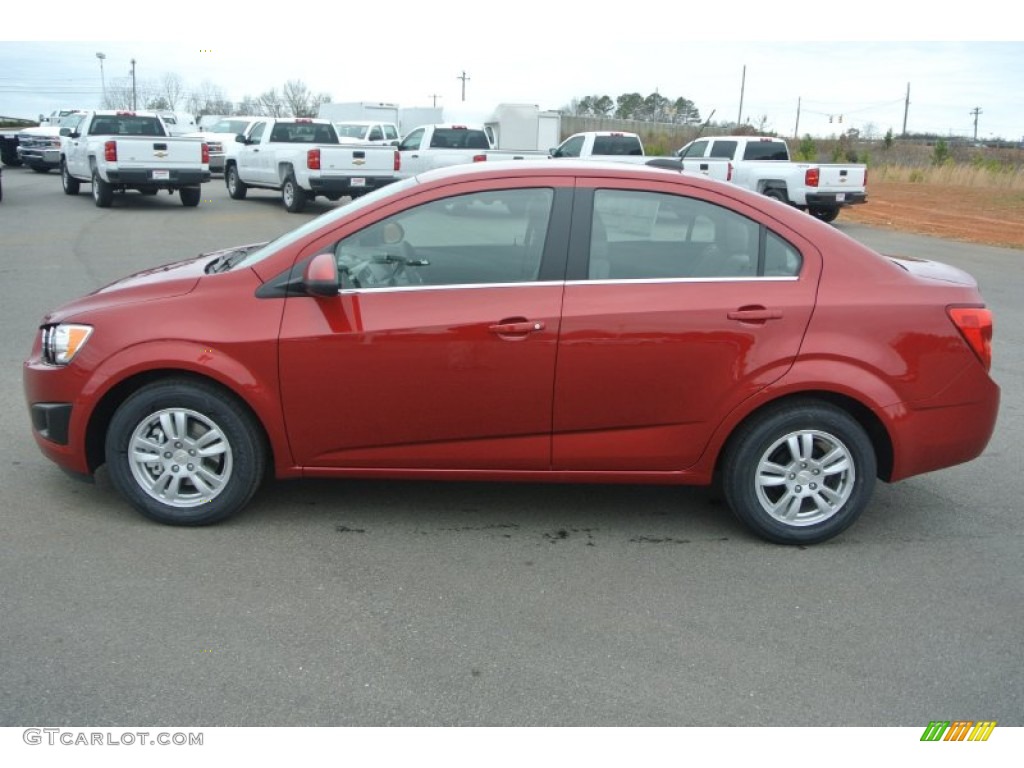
<point>516,328</point>
<point>754,314</point>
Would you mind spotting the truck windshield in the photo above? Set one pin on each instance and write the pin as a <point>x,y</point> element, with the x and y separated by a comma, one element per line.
<point>350,130</point>
<point>230,126</point>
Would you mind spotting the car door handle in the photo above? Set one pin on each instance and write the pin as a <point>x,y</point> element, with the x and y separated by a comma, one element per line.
<point>754,314</point>
<point>518,329</point>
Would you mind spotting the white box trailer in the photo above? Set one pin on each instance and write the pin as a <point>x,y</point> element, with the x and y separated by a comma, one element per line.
<point>375,111</point>
<point>524,127</point>
<point>410,118</point>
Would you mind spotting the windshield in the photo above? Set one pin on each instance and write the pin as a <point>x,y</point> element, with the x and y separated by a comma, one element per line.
<point>368,200</point>
<point>350,130</point>
<point>230,126</point>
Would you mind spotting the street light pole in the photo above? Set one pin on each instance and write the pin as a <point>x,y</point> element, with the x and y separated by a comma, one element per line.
<point>103,81</point>
<point>134,107</point>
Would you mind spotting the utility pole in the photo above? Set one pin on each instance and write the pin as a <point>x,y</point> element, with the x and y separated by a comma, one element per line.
<point>906,108</point>
<point>743,87</point>
<point>134,107</point>
<point>103,80</point>
<point>976,111</point>
<point>434,97</point>
<point>463,77</point>
<point>796,131</point>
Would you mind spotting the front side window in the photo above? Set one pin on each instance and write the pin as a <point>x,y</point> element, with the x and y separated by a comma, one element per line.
<point>695,150</point>
<point>257,132</point>
<point>412,141</point>
<point>571,148</point>
<point>653,236</point>
<point>481,238</point>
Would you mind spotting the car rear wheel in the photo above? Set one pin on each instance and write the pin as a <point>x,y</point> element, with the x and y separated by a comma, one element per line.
<point>190,196</point>
<point>799,473</point>
<point>183,453</point>
<point>826,214</point>
<point>777,193</point>
<point>69,182</point>
<point>102,192</point>
<point>237,188</point>
<point>292,195</point>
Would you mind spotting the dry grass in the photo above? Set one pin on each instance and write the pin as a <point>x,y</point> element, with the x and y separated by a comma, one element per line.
<point>952,175</point>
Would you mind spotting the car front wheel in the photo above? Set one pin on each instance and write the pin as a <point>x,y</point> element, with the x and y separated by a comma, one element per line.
<point>799,473</point>
<point>184,453</point>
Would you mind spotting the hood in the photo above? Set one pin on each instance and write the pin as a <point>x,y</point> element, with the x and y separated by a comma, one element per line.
<point>42,130</point>
<point>933,270</point>
<point>163,282</point>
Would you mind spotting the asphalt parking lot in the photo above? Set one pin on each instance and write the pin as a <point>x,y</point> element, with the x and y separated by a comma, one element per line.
<point>400,603</point>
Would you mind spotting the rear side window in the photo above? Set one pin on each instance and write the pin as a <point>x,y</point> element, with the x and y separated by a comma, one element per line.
<point>765,150</point>
<point>726,149</point>
<point>653,236</point>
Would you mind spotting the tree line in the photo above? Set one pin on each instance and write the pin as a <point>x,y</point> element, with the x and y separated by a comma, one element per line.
<point>170,93</point>
<point>635,106</point>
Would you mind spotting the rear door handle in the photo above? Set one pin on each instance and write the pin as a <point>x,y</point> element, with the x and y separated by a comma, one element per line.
<point>754,314</point>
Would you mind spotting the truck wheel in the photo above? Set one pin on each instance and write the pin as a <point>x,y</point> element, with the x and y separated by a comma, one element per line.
<point>800,472</point>
<point>69,182</point>
<point>190,196</point>
<point>236,187</point>
<point>184,453</point>
<point>102,192</point>
<point>777,193</point>
<point>825,214</point>
<point>294,197</point>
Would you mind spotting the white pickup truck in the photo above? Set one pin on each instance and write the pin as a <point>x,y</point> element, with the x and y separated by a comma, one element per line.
<point>437,146</point>
<point>624,147</point>
<point>118,151</point>
<point>366,132</point>
<point>301,157</point>
<point>763,164</point>
<point>39,148</point>
<point>220,135</point>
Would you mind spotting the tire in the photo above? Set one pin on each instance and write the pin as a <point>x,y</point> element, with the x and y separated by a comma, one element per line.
<point>166,478</point>
<point>825,214</point>
<point>102,192</point>
<point>190,196</point>
<point>237,188</point>
<point>777,193</point>
<point>799,473</point>
<point>292,195</point>
<point>69,182</point>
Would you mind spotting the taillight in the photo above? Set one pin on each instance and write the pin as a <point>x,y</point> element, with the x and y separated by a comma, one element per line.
<point>812,177</point>
<point>865,176</point>
<point>110,151</point>
<point>206,154</point>
<point>398,161</point>
<point>313,159</point>
<point>975,325</point>
<point>479,158</point>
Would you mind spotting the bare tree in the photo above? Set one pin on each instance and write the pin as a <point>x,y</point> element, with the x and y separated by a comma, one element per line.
<point>300,102</point>
<point>208,99</point>
<point>172,90</point>
<point>271,104</point>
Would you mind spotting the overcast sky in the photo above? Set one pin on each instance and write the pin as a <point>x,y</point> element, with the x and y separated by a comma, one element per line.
<point>548,54</point>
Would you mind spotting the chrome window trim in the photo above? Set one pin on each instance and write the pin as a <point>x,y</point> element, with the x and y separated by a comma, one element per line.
<point>555,283</point>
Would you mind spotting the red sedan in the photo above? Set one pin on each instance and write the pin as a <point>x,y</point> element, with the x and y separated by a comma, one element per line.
<point>528,321</point>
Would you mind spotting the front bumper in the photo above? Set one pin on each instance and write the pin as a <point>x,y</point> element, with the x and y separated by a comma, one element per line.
<point>39,156</point>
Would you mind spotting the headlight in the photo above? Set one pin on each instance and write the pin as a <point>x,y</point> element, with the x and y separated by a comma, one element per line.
<point>62,342</point>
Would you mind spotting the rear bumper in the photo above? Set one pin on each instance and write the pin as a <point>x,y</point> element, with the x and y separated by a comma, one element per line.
<point>143,177</point>
<point>946,430</point>
<point>349,184</point>
<point>830,199</point>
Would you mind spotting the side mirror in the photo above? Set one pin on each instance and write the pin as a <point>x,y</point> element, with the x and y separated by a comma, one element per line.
<point>320,277</point>
<point>240,139</point>
<point>65,131</point>
<point>554,152</point>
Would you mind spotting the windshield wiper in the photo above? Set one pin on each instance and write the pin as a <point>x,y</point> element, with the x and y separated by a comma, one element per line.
<point>228,259</point>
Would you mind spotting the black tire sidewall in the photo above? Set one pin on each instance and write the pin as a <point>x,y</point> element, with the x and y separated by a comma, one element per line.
<point>248,453</point>
<point>754,438</point>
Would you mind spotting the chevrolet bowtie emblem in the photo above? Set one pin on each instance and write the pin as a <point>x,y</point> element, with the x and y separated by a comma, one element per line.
<point>160,153</point>
<point>358,162</point>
